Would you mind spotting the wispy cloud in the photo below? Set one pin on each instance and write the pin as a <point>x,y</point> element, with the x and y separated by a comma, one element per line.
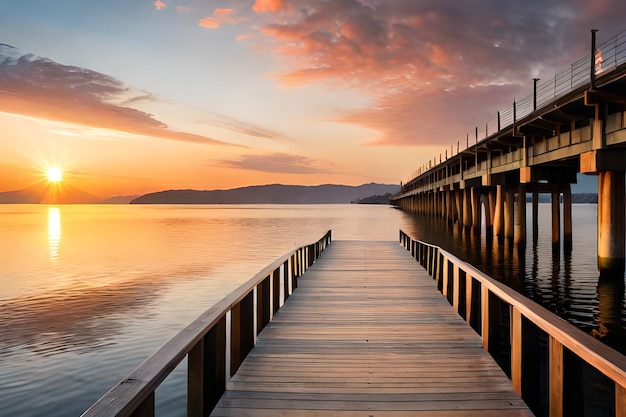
<point>42,88</point>
<point>219,17</point>
<point>184,9</point>
<point>159,5</point>
<point>277,164</point>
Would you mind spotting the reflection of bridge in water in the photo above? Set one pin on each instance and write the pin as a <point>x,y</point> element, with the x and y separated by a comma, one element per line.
<point>574,123</point>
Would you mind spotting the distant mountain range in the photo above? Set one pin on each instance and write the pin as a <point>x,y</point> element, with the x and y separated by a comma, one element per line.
<point>270,194</point>
<point>48,193</point>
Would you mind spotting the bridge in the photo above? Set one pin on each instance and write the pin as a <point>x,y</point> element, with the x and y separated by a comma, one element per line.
<point>378,329</point>
<point>573,123</point>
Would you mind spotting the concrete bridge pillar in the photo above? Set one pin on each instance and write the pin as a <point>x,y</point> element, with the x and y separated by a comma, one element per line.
<point>535,216</point>
<point>556,222</point>
<point>467,208</point>
<point>498,214</point>
<point>476,209</point>
<point>567,219</point>
<point>608,164</point>
<point>611,230</point>
<point>520,215</point>
<point>458,199</point>
<point>450,206</point>
<point>488,201</point>
<point>509,211</point>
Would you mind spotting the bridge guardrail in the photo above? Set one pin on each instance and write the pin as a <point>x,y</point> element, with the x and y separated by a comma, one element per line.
<point>216,343</point>
<point>609,56</point>
<point>547,358</point>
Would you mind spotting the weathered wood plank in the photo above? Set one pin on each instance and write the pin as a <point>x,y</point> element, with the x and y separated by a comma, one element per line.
<point>367,331</point>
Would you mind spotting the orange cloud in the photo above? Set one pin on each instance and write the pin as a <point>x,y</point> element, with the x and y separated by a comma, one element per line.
<point>277,163</point>
<point>184,9</point>
<point>246,36</point>
<point>222,12</point>
<point>209,23</point>
<point>262,6</point>
<point>159,5</point>
<point>221,16</point>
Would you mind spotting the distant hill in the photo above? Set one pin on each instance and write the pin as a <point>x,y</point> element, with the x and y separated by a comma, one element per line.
<point>120,199</point>
<point>270,194</point>
<point>374,199</point>
<point>580,198</point>
<point>48,193</point>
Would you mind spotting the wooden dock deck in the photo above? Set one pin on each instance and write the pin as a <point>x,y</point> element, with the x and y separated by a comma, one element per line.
<point>366,333</point>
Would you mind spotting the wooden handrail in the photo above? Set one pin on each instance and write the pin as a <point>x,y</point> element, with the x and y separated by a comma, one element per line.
<point>444,266</point>
<point>216,342</point>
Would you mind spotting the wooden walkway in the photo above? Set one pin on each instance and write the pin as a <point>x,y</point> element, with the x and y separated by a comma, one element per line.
<point>367,334</point>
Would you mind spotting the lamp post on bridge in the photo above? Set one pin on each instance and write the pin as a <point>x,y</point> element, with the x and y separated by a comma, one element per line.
<point>593,59</point>
<point>535,93</point>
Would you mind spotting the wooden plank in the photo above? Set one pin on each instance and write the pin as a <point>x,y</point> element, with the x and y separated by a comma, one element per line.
<point>367,331</point>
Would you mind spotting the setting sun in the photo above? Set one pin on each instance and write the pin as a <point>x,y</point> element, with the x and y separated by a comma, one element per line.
<point>54,174</point>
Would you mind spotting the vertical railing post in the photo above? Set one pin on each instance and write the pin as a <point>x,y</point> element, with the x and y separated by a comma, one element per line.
<point>620,401</point>
<point>206,371</point>
<point>468,298</point>
<point>242,331</point>
<point>146,409</point>
<point>484,314</point>
<point>516,349</point>
<point>288,274</point>
<point>263,304</point>
<point>276,289</point>
<point>455,288</point>
<point>555,377</point>
<point>444,279</point>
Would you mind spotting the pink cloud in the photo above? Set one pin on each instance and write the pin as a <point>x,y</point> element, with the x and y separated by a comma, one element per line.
<point>262,6</point>
<point>221,16</point>
<point>209,23</point>
<point>159,5</point>
<point>246,36</point>
<point>405,53</point>
<point>184,9</point>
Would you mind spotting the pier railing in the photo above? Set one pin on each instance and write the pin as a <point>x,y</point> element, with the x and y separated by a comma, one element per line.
<point>552,364</point>
<point>215,344</point>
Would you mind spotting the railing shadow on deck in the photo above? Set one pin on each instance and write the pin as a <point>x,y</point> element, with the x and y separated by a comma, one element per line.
<point>216,343</point>
<point>548,359</point>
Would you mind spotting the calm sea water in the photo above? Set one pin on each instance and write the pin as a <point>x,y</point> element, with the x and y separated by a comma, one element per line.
<point>88,292</point>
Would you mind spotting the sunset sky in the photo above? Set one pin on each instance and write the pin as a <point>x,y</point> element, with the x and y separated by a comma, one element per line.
<point>134,96</point>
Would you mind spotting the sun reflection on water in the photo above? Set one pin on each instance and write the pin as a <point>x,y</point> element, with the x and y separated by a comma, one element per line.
<point>54,233</point>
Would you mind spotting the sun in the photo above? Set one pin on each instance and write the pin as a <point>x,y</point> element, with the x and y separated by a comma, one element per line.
<point>54,174</point>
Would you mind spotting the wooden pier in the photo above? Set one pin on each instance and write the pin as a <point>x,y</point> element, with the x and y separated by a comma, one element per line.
<point>364,330</point>
<point>367,333</point>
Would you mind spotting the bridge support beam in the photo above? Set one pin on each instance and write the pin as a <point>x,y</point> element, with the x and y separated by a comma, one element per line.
<point>458,198</point>
<point>489,201</point>
<point>520,215</point>
<point>611,230</point>
<point>509,211</point>
<point>556,223</point>
<point>498,216</point>
<point>608,164</point>
<point>467,208</point>
<point>535,216</point>
<point>476,218</point>
<point>567,219</point>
